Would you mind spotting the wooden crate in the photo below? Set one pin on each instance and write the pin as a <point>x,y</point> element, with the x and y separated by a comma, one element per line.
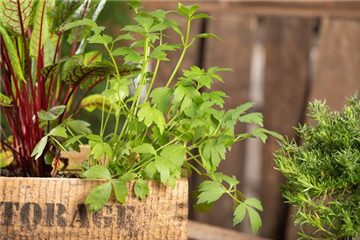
<point>52,208</point>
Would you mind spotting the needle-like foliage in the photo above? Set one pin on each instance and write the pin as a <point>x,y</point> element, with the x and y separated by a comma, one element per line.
<point>323,173</point>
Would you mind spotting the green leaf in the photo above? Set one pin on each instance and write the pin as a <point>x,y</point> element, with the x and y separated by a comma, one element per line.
<point>128,177</point>
<point>201,16</point>
<point>133,28</point>
<point>214,151</point>
<point>5,100</point>
<point>141,189</point>
<point>40,31</point>
<point>145,148</point>
<point>95,101</point>
<point>135,4</point>
<point>253,202</point>
<point>207,35</point>
<point>100,149</point>
<point>39,148</point>
<point>159,52</point>
<point>97,172</point>
<point>73,140</point>
<point>256,118</point>
<point>145,22</point>
<point>6,158</point>
<point>59,132</point>
<point>210,192</point>
<point>150,170</point>
<point>162,98</point>
<point>52,114</point>
<point>151,115</point>
<point>120,189</point>
<point>202,207</point>
<point>255,219</point>
<point>91,57</point>
<point>242,109</point>
<point>77,73</point>
<point>78,126</point>
<point>79,23</point>
<point>130,54</point>
<point>10,47</point>
<point>124,37</point>
<point>49,157</point>
<point>239,214</point>
<point>64,12</point>
<point>98,197</point>
<point>10,17</point>
<point>176,153</point>
<point>163,166</point>
<point>232,181</point>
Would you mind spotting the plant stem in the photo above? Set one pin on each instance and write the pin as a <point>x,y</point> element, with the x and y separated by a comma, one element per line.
<point>182,54</point>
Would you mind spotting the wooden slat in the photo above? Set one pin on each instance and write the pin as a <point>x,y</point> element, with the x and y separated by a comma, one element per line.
<point>287,45</point>
<point>200,231</point>
<point>337,69</point>
<point>237,32</point>
<point>310,9</point>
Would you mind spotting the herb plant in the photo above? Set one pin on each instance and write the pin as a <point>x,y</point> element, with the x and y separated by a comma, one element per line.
<point>323,173</point>
<point>168,132</point>
<point>39,82</point>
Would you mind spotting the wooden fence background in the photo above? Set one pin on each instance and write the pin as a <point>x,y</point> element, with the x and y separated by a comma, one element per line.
<point>284,54</point>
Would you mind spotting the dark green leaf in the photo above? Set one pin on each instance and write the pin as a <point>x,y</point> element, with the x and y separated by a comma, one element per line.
<point>52,114</point>
<point>98,197</point>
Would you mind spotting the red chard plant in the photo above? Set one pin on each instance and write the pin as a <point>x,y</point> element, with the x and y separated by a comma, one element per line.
<point>39,80</point>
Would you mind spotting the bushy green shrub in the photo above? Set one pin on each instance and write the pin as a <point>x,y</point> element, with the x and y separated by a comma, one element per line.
<point>323,173</point>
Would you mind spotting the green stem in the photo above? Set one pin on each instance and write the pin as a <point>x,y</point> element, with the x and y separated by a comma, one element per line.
<point>182,54</point>
<point>155,71</point>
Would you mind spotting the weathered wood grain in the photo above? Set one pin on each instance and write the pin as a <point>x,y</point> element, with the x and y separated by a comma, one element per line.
<point>51,208</point>
<point>309,9</point>
<point>337,68</point>
<point>287,44</point>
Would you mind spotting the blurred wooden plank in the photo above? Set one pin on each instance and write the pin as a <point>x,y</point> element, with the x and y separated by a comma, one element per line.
<point>350,9</point>
<point>200,231</point>
<point>337,69</point>
<point>287,43</point>
<point>237,32</point>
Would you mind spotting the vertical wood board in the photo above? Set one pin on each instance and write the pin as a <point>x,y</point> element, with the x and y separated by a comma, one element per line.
<point>287,45</point>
